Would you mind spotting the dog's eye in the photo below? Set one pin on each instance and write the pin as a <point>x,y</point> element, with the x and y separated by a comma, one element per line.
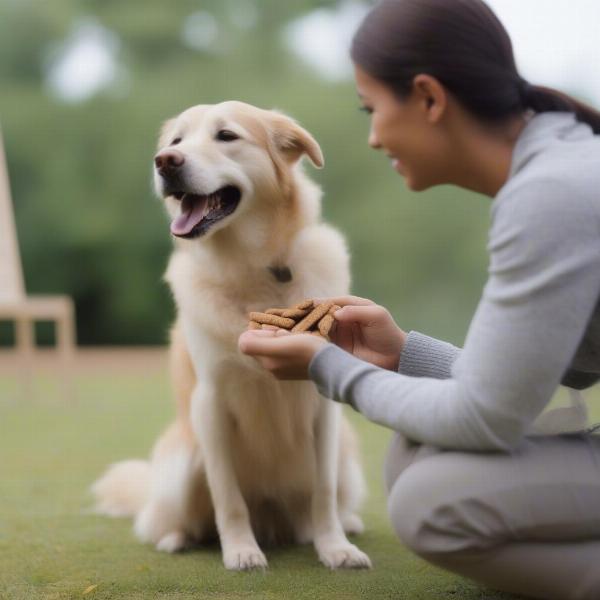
<point>175,141</point>
<point>224,135</point>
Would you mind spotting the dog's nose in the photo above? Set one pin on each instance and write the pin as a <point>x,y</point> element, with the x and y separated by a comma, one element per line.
<point>168,161</point>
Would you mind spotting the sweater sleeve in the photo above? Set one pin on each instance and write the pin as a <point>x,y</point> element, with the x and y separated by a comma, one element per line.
<point>543,285</point>
<point>424,356</point>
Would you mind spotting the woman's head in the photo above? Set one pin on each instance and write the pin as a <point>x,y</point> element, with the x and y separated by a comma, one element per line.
<point>412,46</point>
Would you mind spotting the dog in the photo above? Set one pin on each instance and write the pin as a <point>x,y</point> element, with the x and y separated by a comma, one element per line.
<point>248,457</point>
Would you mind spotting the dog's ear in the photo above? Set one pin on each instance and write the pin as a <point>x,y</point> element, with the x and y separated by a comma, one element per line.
<point>293,141</point>
<point>165,133</point>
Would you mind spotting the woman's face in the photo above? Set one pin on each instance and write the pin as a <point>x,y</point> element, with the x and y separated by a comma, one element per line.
<point>403,129</point>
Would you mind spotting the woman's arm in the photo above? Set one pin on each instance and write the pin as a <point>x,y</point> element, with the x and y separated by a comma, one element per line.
<point>544,281</point>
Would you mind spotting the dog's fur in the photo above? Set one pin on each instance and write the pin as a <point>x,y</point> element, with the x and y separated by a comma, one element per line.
<point>248,455</point>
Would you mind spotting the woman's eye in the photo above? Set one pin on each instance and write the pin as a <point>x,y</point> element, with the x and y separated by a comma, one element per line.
<point>366,109</point>
<point>175,141</point>
<point>224,135</point>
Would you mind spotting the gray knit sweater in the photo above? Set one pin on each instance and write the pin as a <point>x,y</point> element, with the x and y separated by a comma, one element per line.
<point>538,321</point>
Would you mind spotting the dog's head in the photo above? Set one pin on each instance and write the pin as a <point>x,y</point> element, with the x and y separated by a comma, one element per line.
<point>216,162</point>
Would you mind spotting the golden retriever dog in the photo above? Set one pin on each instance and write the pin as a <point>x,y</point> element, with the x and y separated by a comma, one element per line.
<point>249,457</point>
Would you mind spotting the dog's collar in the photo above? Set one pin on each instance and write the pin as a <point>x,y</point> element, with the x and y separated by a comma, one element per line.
<point>282,274</point>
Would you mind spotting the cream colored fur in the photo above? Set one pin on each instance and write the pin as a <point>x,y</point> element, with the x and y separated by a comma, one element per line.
<point>248,457</point>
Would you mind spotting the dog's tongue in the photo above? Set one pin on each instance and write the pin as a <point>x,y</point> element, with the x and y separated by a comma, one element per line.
<point>193,210</point>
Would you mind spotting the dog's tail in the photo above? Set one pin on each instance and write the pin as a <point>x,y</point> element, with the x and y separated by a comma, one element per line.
<point>123,489</point>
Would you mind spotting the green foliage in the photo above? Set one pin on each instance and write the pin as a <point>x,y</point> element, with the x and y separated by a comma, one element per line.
<point>87,219</point>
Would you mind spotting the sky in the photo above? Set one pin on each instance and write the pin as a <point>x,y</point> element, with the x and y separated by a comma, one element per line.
<point>556,43</point>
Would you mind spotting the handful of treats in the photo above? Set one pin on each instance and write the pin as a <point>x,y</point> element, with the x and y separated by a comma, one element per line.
<point>304,317</point>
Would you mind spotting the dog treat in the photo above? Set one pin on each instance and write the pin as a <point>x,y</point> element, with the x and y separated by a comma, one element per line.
<point>295,313</point>
<point>325,324</point>
<point>313,317</point>
<point>264,318</point>
<point>303,317</point>
<point>308,303</point>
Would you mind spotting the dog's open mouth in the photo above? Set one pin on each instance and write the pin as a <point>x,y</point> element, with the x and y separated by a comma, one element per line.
<point>200,212</point>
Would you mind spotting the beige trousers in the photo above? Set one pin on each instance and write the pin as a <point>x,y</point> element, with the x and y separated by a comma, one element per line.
<point>527,522</point>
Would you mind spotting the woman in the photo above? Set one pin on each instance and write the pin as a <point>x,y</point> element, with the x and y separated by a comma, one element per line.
<point>470,488</point>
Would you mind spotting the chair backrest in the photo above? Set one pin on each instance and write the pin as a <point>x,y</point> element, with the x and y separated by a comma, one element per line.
<point>12,285</point>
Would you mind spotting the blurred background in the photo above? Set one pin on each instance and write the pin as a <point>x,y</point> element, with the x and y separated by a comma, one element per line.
<point>85,85</point>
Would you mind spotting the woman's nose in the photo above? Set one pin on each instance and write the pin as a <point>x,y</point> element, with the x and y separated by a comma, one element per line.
<point>373,141</point>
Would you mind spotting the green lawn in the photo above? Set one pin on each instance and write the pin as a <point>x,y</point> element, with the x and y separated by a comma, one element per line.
<point>52,547</point>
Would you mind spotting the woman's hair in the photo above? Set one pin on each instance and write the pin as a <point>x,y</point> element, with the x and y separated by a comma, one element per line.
<point>465,47</point>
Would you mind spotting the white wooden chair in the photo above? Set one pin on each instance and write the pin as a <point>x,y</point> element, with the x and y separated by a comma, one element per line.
<point>24,310</point>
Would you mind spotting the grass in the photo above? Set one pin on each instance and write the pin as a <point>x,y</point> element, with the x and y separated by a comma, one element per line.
<point>52,547</point>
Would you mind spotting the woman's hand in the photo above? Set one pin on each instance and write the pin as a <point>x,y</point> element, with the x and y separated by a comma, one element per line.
<point>287,355</point>
<point>367,331</point>
<point>362,328</point>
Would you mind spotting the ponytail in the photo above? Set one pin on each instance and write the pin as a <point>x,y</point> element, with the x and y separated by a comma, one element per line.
<point>544,99</point>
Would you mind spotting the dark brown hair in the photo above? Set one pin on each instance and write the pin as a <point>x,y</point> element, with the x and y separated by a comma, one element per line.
<point>465,47</point>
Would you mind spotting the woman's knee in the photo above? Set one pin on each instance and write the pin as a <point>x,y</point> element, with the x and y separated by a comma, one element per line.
<point>431,515</point>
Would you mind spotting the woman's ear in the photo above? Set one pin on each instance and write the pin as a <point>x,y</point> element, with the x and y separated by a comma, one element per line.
<point>292,141</point>
<point>432,94</point>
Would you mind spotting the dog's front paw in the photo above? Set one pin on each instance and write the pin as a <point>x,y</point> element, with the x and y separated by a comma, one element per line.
<point>244,558</point>
<point>343,555</point>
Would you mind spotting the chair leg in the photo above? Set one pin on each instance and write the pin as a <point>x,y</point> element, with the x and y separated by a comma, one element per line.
<point>25,345</point>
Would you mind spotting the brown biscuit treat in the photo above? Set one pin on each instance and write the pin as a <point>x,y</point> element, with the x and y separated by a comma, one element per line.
<point>295,313</point>
<point>264,318</point>
<point>308,303</point>
<point>313,317</point>
<point>299,318</point>
<point>325,324</point>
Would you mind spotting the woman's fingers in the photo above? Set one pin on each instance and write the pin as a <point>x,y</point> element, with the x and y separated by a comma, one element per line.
<point>353,321</point>
<point>269,342</point>
<point>366,315</point>
<point>345,301</point>
<point>343,337</point>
